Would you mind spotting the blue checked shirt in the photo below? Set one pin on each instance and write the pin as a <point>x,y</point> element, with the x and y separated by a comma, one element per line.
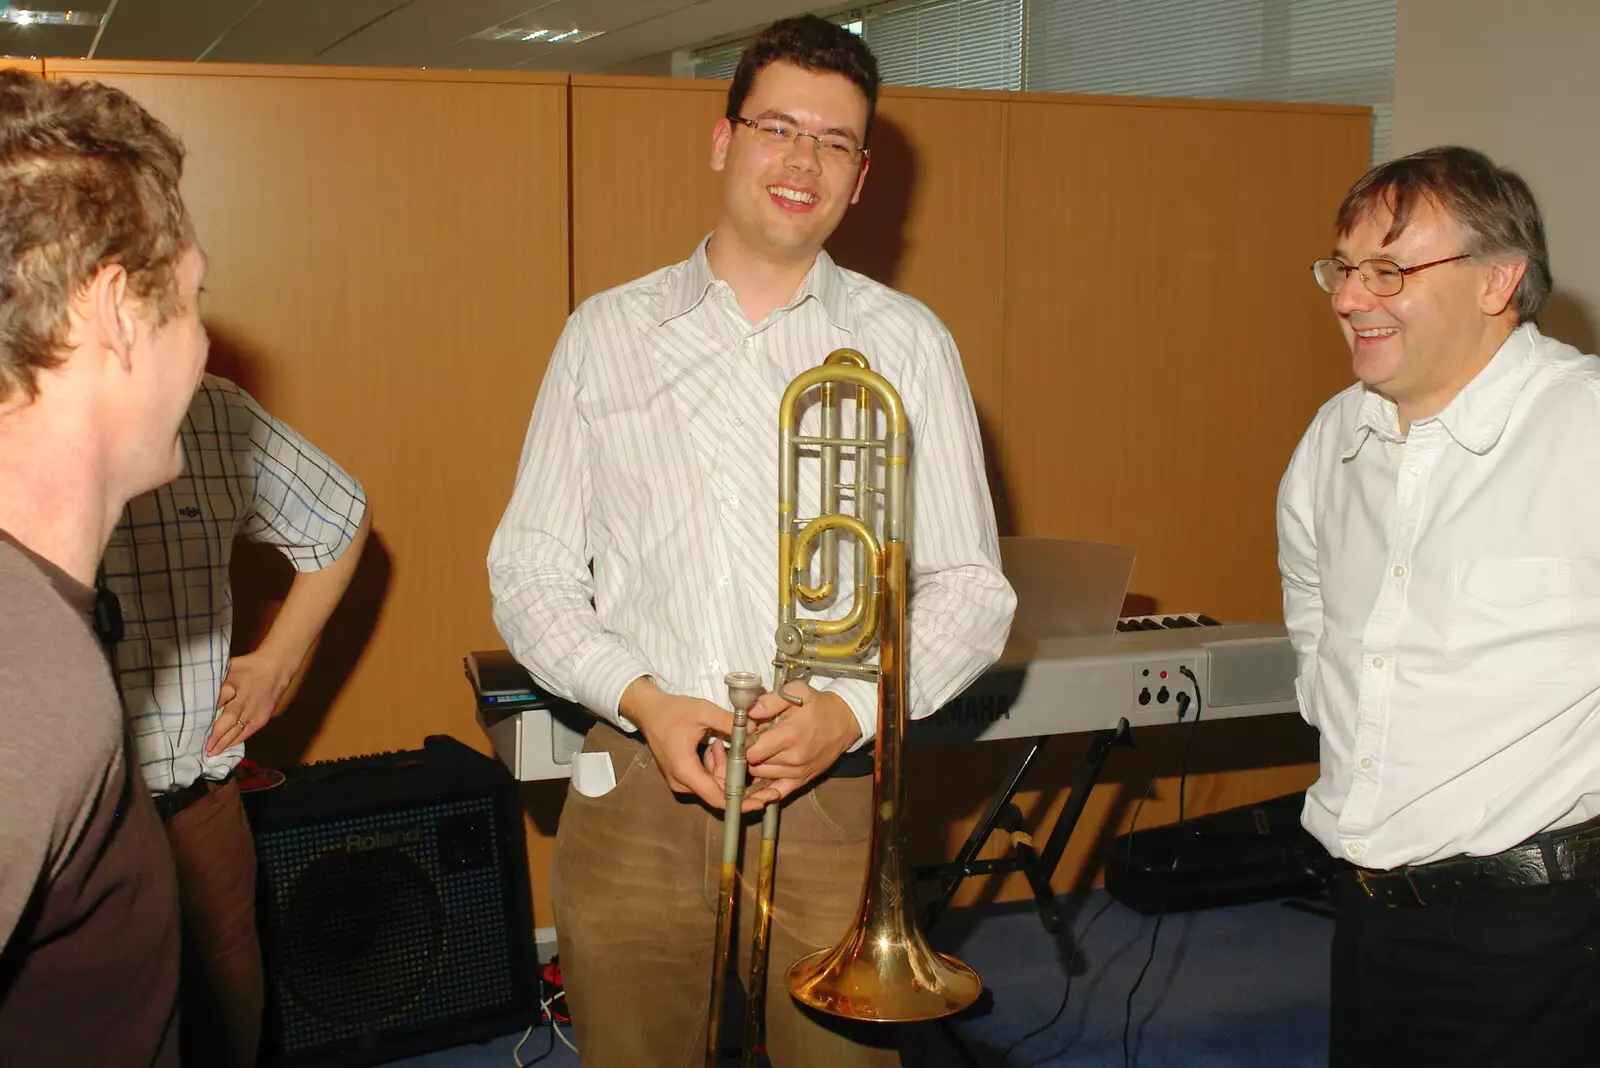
<point>245,473</point>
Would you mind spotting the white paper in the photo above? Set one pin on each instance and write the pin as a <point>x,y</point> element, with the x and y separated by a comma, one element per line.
<point>593,775</point>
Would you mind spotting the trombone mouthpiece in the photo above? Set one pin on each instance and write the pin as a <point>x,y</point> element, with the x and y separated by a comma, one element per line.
<point>743,688</point>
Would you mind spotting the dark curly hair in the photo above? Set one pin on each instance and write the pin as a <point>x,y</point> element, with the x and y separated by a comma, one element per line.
<point>813,44</point>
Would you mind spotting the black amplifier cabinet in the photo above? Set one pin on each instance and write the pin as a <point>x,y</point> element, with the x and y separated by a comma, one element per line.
<point>1232,857</point>
<point>393,906</point>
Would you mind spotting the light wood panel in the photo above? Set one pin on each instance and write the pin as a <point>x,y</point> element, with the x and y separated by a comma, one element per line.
<point>643,192</point>
<point>1165,345</point>
<point>1164,350</point>
<point>388,274</point>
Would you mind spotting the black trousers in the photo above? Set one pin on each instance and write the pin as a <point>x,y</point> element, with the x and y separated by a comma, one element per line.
<point>1494,979</point>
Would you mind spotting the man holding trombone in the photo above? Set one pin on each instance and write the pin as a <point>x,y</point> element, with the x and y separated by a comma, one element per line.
<point>635,566</point>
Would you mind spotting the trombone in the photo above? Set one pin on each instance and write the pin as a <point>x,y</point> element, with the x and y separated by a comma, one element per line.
<point>883,969</point>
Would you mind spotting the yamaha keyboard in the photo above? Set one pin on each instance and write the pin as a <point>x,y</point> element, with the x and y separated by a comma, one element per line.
<point>1038,687</point>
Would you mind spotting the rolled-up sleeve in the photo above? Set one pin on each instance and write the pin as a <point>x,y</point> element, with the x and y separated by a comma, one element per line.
<point>302,502</point>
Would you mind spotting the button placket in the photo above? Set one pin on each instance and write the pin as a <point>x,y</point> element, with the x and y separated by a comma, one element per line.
<point>1413,460</point>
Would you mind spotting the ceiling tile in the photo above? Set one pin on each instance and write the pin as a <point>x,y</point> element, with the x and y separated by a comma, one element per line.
<point>402,33</point>
<point>295,31</point>
<point>54,41</point>
<point>168,29</point>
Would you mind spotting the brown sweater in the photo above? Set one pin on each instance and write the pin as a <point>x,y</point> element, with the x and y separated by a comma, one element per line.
<point>88,900</point>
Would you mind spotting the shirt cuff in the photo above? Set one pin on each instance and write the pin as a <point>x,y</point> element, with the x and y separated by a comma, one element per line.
<point>599,677</point>
<point>862,697</point>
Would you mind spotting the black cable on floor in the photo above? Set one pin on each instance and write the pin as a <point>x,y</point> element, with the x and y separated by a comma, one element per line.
<point>1077,949</point>
<point>549,1049</point>
<point>1066,992</point>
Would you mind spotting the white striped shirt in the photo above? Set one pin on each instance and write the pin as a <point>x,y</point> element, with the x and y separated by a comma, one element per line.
<point>244,473</point>
<point>652,458</point>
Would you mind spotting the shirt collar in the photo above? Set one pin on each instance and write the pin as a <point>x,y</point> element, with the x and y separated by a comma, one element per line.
<point>1376,415</point>
<point>1476,417</point>
<point>825,283</point>
<point>688,285</point>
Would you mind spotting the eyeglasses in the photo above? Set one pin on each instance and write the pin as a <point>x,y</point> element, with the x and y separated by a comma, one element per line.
<point>836,149</point>
<point>1383,278</point>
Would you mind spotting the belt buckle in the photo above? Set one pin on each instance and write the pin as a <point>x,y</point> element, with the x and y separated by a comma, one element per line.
<point>1361,881</point>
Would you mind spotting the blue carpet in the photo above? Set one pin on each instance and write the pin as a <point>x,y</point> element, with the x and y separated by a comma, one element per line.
<point>1240,987</point>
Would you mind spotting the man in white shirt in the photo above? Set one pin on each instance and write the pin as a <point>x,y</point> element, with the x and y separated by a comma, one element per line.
<point>1441,576</point>
<point>652,458</point>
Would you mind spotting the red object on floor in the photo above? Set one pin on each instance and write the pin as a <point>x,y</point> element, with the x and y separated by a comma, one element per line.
<point>553,994</point>
<point>252,776</point>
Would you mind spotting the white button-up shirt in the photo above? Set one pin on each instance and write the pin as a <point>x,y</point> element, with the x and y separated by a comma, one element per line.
<point>1442,590</point>
<point>652,455</point>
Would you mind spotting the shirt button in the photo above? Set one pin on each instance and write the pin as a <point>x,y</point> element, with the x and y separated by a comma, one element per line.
<point>716,665</point>
<point>723,580</point>
<point>1366,763</point>
<point>737,421</point>
<point>1353,848</point>
<point>1399,571</point>
<point>1377,662</point>
<point>749,344</point>
<point>733,502</point>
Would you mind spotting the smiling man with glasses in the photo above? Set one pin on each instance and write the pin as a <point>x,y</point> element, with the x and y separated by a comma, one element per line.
<point>1441,574</point>
<point>636,565</point>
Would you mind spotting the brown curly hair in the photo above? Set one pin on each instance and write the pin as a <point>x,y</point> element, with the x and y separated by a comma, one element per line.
<point>88,178</point>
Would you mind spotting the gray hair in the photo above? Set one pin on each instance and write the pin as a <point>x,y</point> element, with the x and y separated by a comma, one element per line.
<point>1494,207</point>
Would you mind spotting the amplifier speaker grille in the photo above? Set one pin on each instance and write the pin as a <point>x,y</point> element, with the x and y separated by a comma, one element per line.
<point>403,928</point>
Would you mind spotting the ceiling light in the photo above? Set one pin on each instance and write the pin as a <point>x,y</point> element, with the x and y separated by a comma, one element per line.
<point>24,17</point>
<point>533,33</point>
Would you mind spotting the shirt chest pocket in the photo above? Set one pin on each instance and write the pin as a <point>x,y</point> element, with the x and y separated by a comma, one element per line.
<point>1509,618</point>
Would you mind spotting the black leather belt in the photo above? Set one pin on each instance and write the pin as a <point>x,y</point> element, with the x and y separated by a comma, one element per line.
<point>1553,857</point>
<point>852,765</point>
<point>172,802</point>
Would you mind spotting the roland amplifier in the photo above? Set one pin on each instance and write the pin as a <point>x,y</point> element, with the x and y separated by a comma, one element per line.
<point>393,907</point>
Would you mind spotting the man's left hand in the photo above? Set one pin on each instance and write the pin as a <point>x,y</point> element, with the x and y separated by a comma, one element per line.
<point>247,700</point>
<point>800,746</point>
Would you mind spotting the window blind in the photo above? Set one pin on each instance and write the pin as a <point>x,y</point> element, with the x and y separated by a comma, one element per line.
<point>1322,51</point>
<point>953,44</point>
<point>1318,51</point>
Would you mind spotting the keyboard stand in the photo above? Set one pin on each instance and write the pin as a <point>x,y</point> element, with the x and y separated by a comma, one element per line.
<point>1038,867</point>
